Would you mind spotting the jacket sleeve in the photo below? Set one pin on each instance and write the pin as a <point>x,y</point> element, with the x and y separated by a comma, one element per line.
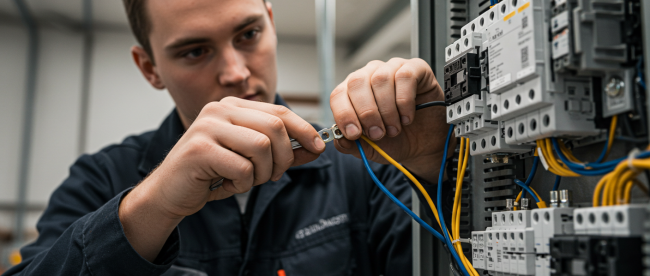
<point>390,227</point>
<point>80,232</point>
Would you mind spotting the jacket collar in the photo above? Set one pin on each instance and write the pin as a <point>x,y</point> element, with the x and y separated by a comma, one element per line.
<point>171,130</point>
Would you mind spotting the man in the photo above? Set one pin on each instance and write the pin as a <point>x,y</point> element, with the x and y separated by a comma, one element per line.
<point>317,212</point>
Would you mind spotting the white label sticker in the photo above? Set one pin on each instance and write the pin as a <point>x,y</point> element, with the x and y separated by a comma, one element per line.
<point>615,103</point>
<point>560,44</point>
<point>560,21</point>
<point>525,72</point>
<point>500,82</point>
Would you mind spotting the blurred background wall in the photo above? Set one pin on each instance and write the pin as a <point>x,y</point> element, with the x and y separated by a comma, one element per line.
<point>69,120</point>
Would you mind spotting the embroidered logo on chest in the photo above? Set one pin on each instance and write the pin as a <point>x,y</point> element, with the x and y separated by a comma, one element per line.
<point>321,225</point>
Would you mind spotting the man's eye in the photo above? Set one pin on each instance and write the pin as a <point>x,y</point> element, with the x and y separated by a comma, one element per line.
<point>195,53</point>
<point>250,34</point>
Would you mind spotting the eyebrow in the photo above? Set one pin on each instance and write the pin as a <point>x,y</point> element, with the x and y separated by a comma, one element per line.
<point>249,20</point>
<point>180,43</point>
<point>184,42</point>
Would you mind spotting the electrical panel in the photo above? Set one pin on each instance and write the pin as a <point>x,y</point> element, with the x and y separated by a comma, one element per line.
<point>565,76</point>
<point>526,70</point>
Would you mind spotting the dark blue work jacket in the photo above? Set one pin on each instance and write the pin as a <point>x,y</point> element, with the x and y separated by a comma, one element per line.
<point>325,217</point>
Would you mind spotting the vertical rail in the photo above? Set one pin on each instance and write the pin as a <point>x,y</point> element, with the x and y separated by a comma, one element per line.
<point>415,201</point>
<point>28,115</point>
<point>88,45</point>
<point>326,24</point>
<point>645,16</point>
<point>424,254</point>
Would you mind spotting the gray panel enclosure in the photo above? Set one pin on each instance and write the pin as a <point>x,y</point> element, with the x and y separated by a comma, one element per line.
<point>439,25</point>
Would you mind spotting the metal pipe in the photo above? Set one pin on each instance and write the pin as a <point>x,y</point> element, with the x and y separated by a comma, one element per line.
<point>326,30</point>
<point>28,115</point>
<point>88,46</point>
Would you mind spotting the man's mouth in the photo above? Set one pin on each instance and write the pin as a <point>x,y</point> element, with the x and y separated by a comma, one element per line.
<point>252,97</point>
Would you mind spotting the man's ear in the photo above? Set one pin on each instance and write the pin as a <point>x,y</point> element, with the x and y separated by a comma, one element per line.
<point>146,66</point>
<point>269,9</point>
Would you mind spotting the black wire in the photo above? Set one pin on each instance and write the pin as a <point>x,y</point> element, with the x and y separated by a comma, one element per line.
<point>429,104</point>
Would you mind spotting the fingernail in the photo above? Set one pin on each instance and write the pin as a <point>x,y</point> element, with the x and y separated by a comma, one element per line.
<point>405,120</point>
<point>392,131</point>
<point>351,130</point>
<point>318,142</point>
<point>375,133</point>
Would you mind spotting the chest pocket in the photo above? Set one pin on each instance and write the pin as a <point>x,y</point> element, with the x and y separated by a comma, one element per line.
<point>326,252</point>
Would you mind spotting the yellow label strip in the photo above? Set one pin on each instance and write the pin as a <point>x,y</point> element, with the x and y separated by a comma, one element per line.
<point>509,16</point>
<point>523,7</point>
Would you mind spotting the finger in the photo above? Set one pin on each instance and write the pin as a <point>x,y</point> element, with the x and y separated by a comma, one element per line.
<point>362,97</point>
<point>250,144</point>
<point>272,127</point>
<point>344,113</point>
<point>383,86</point>
<point>296,127</point>
<point>238,171</point>
<point>303,156</point>
<point>345,146</point>
<point>412,78</point>
<point>371,154</point>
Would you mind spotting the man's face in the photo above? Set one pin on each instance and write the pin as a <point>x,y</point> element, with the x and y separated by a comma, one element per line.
<point>205,50</point>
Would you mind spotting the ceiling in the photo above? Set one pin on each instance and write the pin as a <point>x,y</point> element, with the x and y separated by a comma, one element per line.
<point>293,18</point>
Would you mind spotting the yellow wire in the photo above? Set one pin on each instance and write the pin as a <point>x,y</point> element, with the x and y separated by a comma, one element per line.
<point>620,186</point>
<point>462,167</point>
<point>601,184</point>
<point>392,161</point>
<point>555,166</point>
<point>612,131</point>
<point>408,174</point>
<point>628,189</point>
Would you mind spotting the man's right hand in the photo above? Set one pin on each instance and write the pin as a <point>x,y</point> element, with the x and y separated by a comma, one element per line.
<point>243,141</point>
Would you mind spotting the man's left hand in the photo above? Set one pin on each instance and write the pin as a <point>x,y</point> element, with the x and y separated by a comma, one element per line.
<point>379,99</point>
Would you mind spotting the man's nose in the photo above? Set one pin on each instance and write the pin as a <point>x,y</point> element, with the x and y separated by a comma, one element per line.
<point>233,69</point>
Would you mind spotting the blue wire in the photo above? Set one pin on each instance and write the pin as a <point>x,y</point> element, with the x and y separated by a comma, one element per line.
<point>599,169</point>
<point>439,205</point>
<point>557,182</point>
<point>603,152</point>
<point>393,198</point>
<point>518,182</point>
<point>532,171</point>
<point>531,175</point>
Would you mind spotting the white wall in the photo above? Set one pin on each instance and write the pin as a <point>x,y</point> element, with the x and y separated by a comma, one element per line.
<point>56,116</point>
<point>12,82</point>
<point>122,102</point>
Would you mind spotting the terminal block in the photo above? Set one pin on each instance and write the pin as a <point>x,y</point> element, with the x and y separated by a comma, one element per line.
<point>493,142</point>
<point>548,223</point>
<point>462,78</point>
<point>619,220</point>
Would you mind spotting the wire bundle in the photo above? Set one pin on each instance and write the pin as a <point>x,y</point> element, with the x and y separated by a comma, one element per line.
<point>616,186</point>
<point>569,166</point>
<point>463,158</point>
<point>456,252</point>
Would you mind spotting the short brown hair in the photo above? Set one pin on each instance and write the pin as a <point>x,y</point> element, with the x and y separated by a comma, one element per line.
<point>140,25</point>
<point>136,11</point>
